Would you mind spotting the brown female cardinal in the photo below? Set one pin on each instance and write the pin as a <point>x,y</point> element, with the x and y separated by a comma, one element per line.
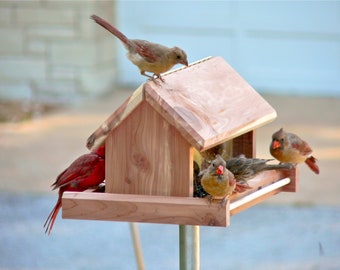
<point>86,171</point>
<point>147,56</point>
<point>246,168</point>
<point>289,148</point>
<point>217,180</point>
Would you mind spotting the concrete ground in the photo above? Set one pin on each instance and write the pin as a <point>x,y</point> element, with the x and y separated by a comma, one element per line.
<point>33,153</point>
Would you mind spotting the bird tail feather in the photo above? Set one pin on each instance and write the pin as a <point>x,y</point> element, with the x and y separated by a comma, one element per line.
<point>278,166</point>
<point>51,217</point>
<point>311,162</point>
<point>111,29</point>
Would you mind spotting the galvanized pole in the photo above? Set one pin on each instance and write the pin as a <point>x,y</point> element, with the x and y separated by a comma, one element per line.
<point>189,247</point>
<point>137,245</point>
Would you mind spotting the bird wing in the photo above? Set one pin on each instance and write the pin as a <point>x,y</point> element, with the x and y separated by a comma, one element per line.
<point>300,145</point>
<point>144,49</point>
<point>80,168</point>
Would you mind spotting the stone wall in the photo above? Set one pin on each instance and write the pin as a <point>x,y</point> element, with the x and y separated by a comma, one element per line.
<point>51,51</point>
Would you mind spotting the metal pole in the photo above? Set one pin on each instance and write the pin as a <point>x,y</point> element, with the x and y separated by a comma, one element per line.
<point>137,245</point>
<point>189,247</point>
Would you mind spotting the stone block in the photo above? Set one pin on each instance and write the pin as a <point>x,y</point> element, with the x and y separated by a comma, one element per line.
<point>51,31</point>
<point>75,53</point>
<point>36,46</point>
<point>63,73</point>
<point>15,90</point>
<point>97,81</point>
<point>11,40</point>
<point>87,27</point>
<point>5,15</point>
<point>21,3</point>
<point>42,15</point>
<point>55,91</point>
<point>22,68</point>
<point>107,52</point>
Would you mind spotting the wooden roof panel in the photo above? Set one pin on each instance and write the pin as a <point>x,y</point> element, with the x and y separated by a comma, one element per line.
<point>209,102</point>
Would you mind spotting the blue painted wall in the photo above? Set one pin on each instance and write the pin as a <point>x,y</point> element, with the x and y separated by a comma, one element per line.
<point>286,47</point>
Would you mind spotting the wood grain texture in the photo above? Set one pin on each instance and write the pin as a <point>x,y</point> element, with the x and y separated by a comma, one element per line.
<point>139,208</point>
<point>168,209</point>
<point>146,155</point>
<point>259,194</point>
<point>293,174</point>
<point>262,180</point>
<point>100,134</point>
<point>209,102</point>
<point>245,144</point>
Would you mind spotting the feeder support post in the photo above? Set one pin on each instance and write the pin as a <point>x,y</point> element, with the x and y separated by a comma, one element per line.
<point>137,245</point>
<point>189,247</point>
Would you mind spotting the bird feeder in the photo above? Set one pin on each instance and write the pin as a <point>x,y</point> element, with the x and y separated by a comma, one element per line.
<point>150,142</point>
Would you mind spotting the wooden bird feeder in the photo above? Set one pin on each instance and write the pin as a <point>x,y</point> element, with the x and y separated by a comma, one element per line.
<point>150,141</point>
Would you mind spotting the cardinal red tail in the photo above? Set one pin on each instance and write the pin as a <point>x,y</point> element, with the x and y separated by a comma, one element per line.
<point>111,29</point>
<point>311,162</point>
<point>52,216</point>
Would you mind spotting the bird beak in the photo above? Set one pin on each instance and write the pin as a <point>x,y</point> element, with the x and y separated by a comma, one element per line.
<point>276,144</point>
<point>220,170</point>
<point>185,62</point>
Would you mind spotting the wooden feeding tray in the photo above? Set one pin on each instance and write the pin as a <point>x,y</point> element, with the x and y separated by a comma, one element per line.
<point>175,210</point>
<point>150,141</point>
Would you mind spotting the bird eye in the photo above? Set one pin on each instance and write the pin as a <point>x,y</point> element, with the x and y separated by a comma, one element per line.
<point>179,57</point>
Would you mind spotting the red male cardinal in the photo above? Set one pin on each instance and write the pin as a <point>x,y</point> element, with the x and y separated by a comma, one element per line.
<point>86,171</point>
<point>147,56</point>
<point>289,148</point>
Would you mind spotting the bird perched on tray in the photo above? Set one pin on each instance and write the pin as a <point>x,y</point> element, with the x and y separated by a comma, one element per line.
<point>289,148</point>
<point>86,171</point>
<point>246,168</point>
<point>147,56</point>
<point>243,169</point>
<point>217,181</point>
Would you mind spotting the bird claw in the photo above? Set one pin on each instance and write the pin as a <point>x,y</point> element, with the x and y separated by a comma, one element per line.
<point>210,199</point>
<point>155,76</point>
<point>224,202</point>
<point>154,79</point>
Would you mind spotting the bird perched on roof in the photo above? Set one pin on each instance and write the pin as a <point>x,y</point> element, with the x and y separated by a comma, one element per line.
<point>86,171</point>
<point>217,180</point>
<point>147,56</point>
<point>289,148</point>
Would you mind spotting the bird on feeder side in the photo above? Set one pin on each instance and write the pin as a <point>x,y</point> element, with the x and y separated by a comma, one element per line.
<point>147,56</point>
<point>217,180</point>
<point>243,170</point>
<point>289,148</point>
<point>246,168</point>
<point>86,171</point>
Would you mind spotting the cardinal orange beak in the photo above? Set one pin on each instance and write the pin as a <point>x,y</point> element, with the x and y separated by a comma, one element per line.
<point>220,170</point>
<point>276,144</point>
